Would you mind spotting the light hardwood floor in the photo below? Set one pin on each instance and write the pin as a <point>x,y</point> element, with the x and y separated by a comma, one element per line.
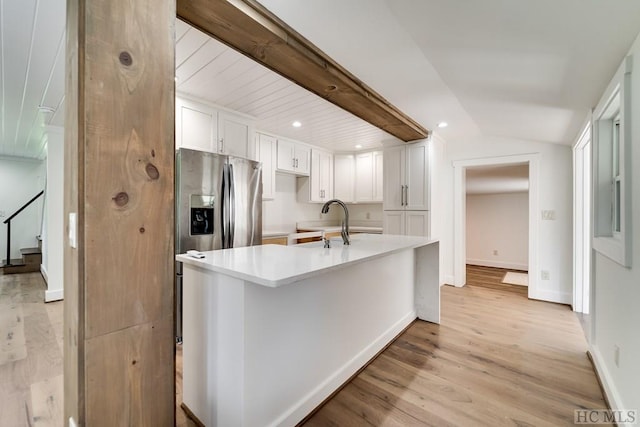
<point>30,354</point>
<point>496,359</point>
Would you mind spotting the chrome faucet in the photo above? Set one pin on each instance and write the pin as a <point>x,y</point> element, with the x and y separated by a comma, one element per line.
<point>345,223</point>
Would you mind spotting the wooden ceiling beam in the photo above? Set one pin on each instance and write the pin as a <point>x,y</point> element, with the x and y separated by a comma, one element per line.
<point>249,28</point>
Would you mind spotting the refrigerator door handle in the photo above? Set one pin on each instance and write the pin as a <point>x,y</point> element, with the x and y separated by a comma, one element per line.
<point>224,210</point>
<point>232,208</point>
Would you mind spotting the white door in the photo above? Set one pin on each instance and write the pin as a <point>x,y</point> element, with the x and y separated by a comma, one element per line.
<point>302,156</point>
<point>326,176</point>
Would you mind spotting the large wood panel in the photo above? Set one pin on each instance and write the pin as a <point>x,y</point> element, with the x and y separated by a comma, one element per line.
<point>120,183</point>
<point>497,358</point>
<point>252,30</point>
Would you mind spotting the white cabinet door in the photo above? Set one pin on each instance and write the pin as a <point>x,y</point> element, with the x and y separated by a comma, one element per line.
<point>378,178</point>
<point>393,222</point>
<point>343,173</point>
<point>417,223</point>
<point>286,161</point>
<point>233,135</point>
<point>410,223</point>
<point>417,177</point>
<point>394,171</point>
<point>364,177</point>
<point>196,126</point>
<point>321,177</point>
<point>293,157</point>
<point>266,154</point>
<point>302,155</point>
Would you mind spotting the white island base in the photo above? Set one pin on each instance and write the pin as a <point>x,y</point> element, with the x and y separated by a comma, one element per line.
<point>269,332</point>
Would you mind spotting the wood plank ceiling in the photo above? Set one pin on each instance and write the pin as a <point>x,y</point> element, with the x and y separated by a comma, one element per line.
<point>32,51</point>
<point>31,74</point>
<point>209,70</point>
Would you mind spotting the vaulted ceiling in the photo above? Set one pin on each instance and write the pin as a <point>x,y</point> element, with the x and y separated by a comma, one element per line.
<point>517,69</point>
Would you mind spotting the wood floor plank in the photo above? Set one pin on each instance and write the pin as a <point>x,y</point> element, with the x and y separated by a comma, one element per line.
<point>46,398</point>
<point>497,358</point>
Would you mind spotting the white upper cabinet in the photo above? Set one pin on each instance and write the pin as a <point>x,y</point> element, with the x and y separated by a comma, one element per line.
<point>369,177</point>
<point>233,135</point>
<point>321,178</point>
<point>293,157</point>
<point>205,128</point>
<point>344,177</point>
<point>265,152</point>
<point>196,126</point>
<point>406,177</point>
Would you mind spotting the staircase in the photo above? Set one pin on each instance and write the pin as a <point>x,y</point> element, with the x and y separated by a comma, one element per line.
<point>30,262</point>
<point>31,257</point>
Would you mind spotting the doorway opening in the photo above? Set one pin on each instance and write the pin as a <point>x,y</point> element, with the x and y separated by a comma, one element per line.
<point>466,167</point>
<point>497,226</point>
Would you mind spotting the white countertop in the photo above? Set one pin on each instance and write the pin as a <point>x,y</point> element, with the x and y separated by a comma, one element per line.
<point>277,265</point>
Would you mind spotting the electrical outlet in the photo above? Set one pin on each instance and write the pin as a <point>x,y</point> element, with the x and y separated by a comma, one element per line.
<point>495,252</point>
<point>616,355</point>
<point>368,215</point>
<point>544,275</point>
<point>549,215</point>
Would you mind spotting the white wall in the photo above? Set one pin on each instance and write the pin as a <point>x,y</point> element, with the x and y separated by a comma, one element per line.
<point>52,262</point>
<point>616,313</point>
<point>285,210</point>
<point>498,222</point>
<point>20,180</point>
<point>555,178</point>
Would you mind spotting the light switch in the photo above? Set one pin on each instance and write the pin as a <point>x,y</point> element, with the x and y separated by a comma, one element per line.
<point>73,230</point>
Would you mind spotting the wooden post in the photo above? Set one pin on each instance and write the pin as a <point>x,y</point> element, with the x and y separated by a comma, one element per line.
<point>119,184</point>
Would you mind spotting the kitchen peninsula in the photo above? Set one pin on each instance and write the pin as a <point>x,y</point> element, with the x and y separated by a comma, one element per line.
<point>271,331</point>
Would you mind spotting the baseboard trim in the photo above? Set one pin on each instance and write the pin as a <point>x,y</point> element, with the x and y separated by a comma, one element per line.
<point>609,390</point>
<point>599,378</point>
<point>43,271</point>
<point>54,295</point>
<point>355,374</point>
<point>551,296</point>
<point>449,279</point>
<point>498,264</point>
<point>314,400</point>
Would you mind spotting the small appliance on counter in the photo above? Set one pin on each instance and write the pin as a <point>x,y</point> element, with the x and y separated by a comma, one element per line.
<point>218,206</point>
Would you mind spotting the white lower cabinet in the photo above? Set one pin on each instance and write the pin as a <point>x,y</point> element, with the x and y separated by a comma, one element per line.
<point>409,223</point>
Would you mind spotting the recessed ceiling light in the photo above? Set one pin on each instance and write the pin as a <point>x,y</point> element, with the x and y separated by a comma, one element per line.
<point>358,146</point>
<point>443,124</point>
<point>296,124</point>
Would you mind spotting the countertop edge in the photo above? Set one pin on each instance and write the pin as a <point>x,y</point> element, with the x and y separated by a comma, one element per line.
<point>201,263</point>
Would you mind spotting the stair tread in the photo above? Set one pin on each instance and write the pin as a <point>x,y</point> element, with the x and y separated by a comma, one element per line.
<point>30,251</point>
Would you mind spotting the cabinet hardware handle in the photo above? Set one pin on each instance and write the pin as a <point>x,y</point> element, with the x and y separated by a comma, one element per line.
<point>406,195</point>
<point>222,145</point>
<point>293,162</point>
<point>296,163</point>
<point>402,195</point>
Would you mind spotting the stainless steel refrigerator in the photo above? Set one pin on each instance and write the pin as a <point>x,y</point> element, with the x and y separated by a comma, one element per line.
<point>218,206</point>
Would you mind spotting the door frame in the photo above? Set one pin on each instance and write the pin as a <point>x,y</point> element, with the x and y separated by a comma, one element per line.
<point>460,208</point>
<point>582,174</point>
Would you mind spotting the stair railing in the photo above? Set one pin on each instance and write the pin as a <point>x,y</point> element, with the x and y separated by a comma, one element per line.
<point>8,222</point>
